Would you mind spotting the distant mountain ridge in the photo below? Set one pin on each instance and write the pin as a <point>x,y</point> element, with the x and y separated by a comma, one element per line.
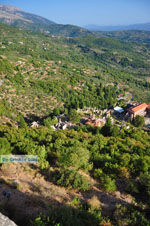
<point>142,26</point>
<point>10,15</point>
<point>129,36</point>
<point>9,8</point>
<point>14,16</point>
<point>17,17</point>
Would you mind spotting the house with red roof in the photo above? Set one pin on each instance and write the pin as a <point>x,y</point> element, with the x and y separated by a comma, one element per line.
<point>140,109</point>
<point>95,122</point>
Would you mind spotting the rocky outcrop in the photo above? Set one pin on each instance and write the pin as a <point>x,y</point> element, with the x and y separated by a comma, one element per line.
<point>5,221</point>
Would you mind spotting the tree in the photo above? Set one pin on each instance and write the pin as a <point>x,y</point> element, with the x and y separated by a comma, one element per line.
<point>5,147</point>
<point>22,123</point>
<point>48,122</point>
<point>138,121</point>
<point>115,131</point>
<point>56,111</point>
<point>107,128</point>
<point>75,156</point>
<point>74,116</point>
<point>107,183</point>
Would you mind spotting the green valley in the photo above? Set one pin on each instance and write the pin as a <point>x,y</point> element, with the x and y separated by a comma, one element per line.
<point>87,173</point>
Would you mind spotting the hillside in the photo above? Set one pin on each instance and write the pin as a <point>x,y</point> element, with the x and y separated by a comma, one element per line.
<point>129,36</point>
<point>41,62</point>
<point>16,17</point>
<point>86,175</point>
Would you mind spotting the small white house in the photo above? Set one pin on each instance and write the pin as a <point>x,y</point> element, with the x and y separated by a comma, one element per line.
<point>118,110</point>
<point>34,125</point>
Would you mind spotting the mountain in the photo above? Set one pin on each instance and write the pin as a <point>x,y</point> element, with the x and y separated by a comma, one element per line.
<point>16,17</point>
<point>130,35</point>
<point>144,26</point>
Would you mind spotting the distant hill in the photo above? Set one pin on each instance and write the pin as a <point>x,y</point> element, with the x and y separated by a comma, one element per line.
<point>16,17</point>
<point>130,36</point>
<point>45,62</point>
<point>144,26</point>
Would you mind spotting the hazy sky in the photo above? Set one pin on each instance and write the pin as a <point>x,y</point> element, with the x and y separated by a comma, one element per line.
<point>83,12</point>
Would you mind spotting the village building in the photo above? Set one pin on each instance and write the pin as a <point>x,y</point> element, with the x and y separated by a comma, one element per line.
<point>118,110</point>
<point>34,124</point>
<point>95,122</point>
<point>140,109</point>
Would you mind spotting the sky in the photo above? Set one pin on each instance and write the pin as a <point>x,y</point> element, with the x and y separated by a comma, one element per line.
<point>85,12</point>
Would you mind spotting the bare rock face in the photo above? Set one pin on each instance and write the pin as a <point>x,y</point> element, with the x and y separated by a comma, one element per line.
<point>10,15</point>
<point>5,221</point>
<point>9,8</point>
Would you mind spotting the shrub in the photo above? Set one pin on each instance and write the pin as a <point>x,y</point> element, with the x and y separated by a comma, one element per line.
<point>22,123</point>
<point>48,122</point>
<point>74,116</point>
<point>130,216</point>
<point>145,183</point>
<point>107,183</point>
<point>124,172</point>
<point>40,151</point>
<point>132,187</point>
<point>5,66</point>
<point>67,215</point>
<point>138,121</point>
<point>75,156</point>
<point>5,147</point>
<point>70,179</point>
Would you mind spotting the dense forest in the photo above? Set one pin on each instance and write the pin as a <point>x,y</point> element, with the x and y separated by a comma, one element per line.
<point>94,175</point>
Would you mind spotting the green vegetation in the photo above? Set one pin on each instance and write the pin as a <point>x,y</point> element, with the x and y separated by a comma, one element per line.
<point>131,216</point>
<point>16,17</point>
<point>5,66</point>
<point>138,121</point>
<point>130,36</point>
<point>110,159</point>
<point>83,215</point>
<point>71,179</point>
<point>47,72</point>
<point>125,157</point>
<point>74,116</point>
<point>107,183</point>
<point>44,77</point>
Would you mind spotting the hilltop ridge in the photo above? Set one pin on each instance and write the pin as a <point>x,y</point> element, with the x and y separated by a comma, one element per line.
<point>17,17</point>
<point>141,26</point>
<point>14,16</point>
<point>10,8</point>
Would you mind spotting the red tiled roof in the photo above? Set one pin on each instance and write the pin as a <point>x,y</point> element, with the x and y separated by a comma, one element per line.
<point>94,122</point>
<point>139,107</point>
